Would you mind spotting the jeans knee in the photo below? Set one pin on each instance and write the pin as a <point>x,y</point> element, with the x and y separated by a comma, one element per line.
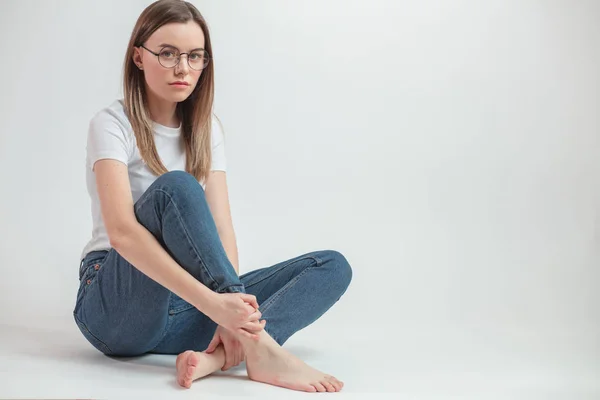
<point>341,266</point>
<point>179,181</point>
<point>177,177</point>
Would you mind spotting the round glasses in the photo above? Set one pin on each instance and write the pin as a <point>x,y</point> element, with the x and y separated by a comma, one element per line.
<point>169,57</point>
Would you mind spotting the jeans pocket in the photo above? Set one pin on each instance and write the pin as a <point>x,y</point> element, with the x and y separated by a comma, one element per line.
<point>89,270</point>
<point>178,305</point>
<point>94,341</point>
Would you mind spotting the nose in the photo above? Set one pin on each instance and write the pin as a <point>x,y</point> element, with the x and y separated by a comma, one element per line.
<point>182,67</point>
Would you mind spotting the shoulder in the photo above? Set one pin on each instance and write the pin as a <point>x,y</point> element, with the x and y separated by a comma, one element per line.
<point>112,117</point>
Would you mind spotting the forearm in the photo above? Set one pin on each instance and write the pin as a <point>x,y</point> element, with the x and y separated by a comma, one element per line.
<point>141,249</point>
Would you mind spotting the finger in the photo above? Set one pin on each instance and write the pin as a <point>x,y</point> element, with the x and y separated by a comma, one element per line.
<point>233,358</point>
<point>250,299</point>
<point>236,359</point>
<point>250,317</point>
<point>213,344</point>
<point>253,327</point>
<point>247,334</point>
<point>230,362</point>
<point>255,316</point>
<point>262,323</point>
<point>247,311</point>
<point>256,327</point>
<point>240,355</point>
<point>229,358</point>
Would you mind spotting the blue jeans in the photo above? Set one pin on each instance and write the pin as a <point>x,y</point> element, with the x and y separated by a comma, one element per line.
<point>122,312</point>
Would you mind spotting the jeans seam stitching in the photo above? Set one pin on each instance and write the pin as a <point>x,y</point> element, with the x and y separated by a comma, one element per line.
<point>281,291</point>
<point>84,266</point>
<point>284,289</point>
<point>94,336</point>
<point>187,235</point>
<point>282,267</point>
<point>167,325</point>
<point>318,260</point>
<point>190,243</point>
<point>138,205</point>
<point>180,309</point>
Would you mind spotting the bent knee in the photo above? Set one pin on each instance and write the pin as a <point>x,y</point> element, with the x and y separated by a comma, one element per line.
<point>339,264</point>
<point>179,182</point>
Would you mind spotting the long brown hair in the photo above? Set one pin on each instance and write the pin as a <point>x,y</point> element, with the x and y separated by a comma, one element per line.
<point>195,112</point>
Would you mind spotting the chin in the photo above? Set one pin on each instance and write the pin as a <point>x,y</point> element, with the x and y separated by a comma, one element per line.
<point>177,98</point>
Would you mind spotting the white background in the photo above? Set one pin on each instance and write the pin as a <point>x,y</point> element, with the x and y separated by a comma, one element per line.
<point>450,149</point>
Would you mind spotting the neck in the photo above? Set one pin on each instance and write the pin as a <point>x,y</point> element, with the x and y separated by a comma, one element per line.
<point>163,112</point>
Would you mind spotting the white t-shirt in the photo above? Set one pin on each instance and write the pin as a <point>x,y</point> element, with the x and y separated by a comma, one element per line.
<point>110,135</point>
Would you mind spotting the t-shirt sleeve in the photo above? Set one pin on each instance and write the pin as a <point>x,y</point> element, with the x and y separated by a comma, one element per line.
<point>219,162</point>
<point>106,140</point>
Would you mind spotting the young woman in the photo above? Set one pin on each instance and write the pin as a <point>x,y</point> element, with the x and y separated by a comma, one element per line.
<point>160,273</point>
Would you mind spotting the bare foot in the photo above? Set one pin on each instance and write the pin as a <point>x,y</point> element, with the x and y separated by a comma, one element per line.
<point>268,362</point>
<point>192,365</point>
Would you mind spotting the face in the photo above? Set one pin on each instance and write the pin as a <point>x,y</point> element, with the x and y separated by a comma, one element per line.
<point>170,39</point>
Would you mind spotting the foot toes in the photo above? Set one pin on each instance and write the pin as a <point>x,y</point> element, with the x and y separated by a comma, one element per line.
<point>192,359</point>
<point>190,371</point>
<point>328,386</point>
<point>187,383</point>
<point>333,382</point>
<point>319,387</point>
<point>309,388</point>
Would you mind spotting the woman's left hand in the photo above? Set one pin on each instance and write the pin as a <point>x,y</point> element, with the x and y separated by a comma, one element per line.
<point>234,351</point>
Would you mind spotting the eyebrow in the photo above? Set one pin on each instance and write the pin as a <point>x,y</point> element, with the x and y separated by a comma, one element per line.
<point>170,45</point>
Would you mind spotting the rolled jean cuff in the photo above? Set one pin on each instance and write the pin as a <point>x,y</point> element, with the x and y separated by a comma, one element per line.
<point>232,289</point>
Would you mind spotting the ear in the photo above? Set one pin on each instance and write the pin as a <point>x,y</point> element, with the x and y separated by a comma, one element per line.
<point>137,57</point>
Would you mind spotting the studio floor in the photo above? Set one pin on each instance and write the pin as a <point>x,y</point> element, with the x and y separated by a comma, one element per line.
<point>54,361</point>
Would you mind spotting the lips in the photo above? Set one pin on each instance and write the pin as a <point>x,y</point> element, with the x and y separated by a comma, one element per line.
<point>180,83</point>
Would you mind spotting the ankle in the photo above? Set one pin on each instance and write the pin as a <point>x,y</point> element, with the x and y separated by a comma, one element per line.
<point>253,347</point>
<point>217,357</point>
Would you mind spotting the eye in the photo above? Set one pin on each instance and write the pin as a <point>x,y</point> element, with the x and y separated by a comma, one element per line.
<point>168,53</point>
<point>196,56</point>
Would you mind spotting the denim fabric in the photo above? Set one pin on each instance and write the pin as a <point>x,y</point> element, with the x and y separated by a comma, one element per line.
<point>122,312</point>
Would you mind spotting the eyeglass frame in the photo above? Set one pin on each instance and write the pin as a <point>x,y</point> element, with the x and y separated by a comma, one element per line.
<point>208,57</point>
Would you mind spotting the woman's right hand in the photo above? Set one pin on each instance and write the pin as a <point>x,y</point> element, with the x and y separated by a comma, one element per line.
<point>237,312</point>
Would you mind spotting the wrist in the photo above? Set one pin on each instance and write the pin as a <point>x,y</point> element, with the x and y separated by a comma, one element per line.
<point>205,300</point>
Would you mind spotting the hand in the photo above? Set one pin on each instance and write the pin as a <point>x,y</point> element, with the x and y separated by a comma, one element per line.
<point>234,351</point>
<point>237,312</point>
